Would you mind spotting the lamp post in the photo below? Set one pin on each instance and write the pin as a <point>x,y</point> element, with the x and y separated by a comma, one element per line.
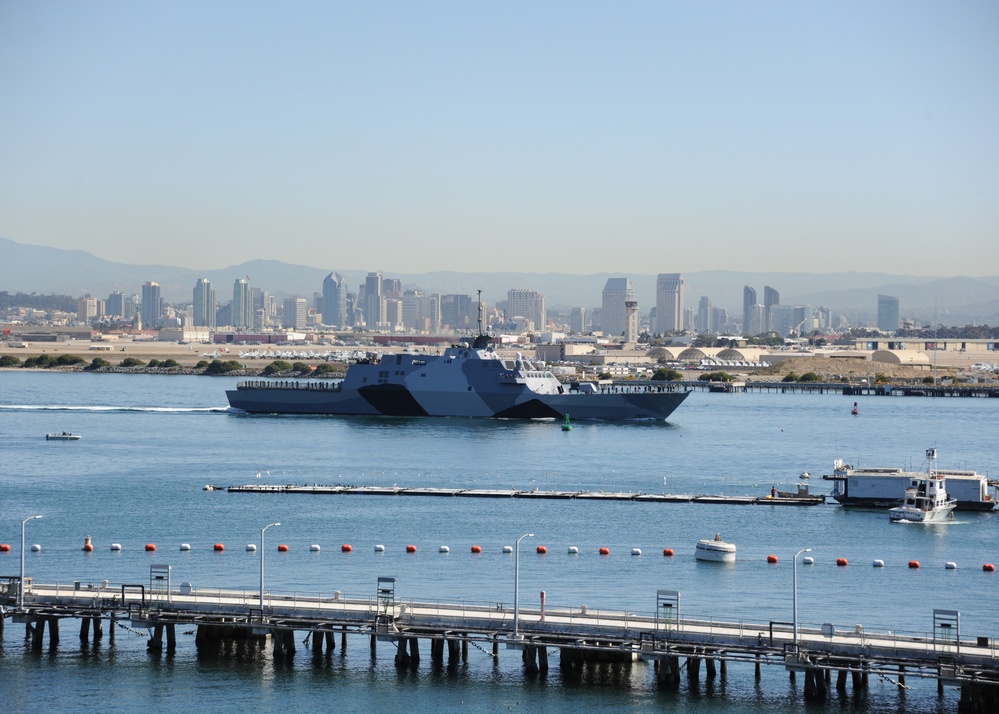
<point>262,551</point>
<point>516,583</point>
<point>20,587</point>
<point>794,594</point>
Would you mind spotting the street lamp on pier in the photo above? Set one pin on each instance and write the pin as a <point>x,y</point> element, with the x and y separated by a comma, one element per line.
<point>262,551</point>
<point>20,586</point>
<point>516,583</point>
<point>794,594</point>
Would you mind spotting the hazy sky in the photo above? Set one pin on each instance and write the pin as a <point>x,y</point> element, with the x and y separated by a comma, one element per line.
<point>531,136</point>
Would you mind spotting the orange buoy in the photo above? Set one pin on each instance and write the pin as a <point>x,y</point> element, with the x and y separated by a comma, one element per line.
<point>150,547</point>
<point>282,548</point>
<point>345,548</point>
<point>87,545</point>
<point>668,552</point>
<point>4,547</point>
<point>218,547</point>
<point>476,548</point>
<point>771,558</point>
<point>988,567</point>
<point>410,548</point>
<point>841,561</point>
<point>605,551</point>
<point>542,549</point>
<point>913,563</point>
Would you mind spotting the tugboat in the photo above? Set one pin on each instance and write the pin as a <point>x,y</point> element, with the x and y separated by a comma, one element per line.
<point>926,499</point>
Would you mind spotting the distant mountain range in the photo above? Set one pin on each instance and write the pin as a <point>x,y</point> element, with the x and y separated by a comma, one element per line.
<point>954,300</point>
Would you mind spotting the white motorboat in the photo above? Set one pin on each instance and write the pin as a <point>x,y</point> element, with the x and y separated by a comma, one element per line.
<point>716,550</point>
<point>926,499</point>
<point>62,436</point>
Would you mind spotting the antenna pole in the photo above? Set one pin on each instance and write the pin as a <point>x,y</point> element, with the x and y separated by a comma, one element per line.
<point>480,311</point>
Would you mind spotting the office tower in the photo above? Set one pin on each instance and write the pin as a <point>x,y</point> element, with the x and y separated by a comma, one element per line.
<point>755,320</point>
<point>86,309</point>
<point>152,306</point>
<point>577,320</point>
<point>748,300</point>
<point>296,313</point>
<point>631,321</point>
<point>791,319</point>
<point>616,293</point>
<point>334,307</point>
<point>770,298</point>
<point>719,318</point>
<point>887,313</point>
<point>669,303</point>
<point>457,311</point>
<point>115,304</point>
<point>392,315</point>
<point>204,304</point>
<point>242,305</point>
<point>528,304</point>
<point>373,298</point>
<point>703,321</point>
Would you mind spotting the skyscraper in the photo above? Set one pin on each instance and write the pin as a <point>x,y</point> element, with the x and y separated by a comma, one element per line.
<point>373,297</point>
<point>613,319</point>
<point>334,307</point>
<point>577,320</point>
<point>152,306</point>
<point>295,313</point>
<point>115,304</point>
<point>669,303</point>
<point>703,321</point>
<point>242,305</point>
<point>887,313</point>
<point>770,298</point>
<point>204,304</point>
<point>528,304</point>
<point>748,300</point>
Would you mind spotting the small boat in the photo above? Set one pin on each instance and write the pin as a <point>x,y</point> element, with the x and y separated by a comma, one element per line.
<point>715,550</point>
<point>566,425</point>
<point>926,499</point>
<point>856,409</point>
<point>62,436</point>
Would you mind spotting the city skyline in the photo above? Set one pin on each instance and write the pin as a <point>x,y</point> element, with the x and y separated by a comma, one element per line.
<point>559,137</point>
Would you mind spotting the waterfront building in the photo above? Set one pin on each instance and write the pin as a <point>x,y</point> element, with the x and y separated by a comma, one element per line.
<point>152,306</point>
<point>528,304</point>
<point>669,303</point>
<point>770,298</point>
<point>748,301</point>
<point>203,312</point>
<point>617,292</point>
<point>242,305</point>
<point>334,301</point>
<point>296,313</point>
<point>887,313</point>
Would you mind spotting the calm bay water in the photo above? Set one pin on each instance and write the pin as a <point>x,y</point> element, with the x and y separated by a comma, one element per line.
<point>150,443</point>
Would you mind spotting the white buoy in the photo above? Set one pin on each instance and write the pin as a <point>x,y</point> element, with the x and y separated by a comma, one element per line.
<point>507,548</point>
<point>35,548</point>
<point>573,550</point>
<point>879,563</point>
<point>951,565</point>
<point>251,548</point>
<point>116,546</point>
<point>184,546</point>
<point>636,551</point>
<point>314,548</point>
<point>444,549</point>
<point>379,548</point>
<point>808,560</point>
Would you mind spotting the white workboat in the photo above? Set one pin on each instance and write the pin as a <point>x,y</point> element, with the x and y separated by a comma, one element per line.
<point>926,499</point>
<point>62,436</point>
<point>716,550</point>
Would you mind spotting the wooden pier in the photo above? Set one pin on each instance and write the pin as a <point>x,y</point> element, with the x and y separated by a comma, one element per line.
<point>677,646</point>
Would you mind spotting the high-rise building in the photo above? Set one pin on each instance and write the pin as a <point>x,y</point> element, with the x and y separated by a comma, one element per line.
<point>617,292</point>
<point>887,313</point>
<point>457,311</point>
<point>86,309</point>
<point>631,321</point>
<point>373,305</point>
<point>528,304</point>
<point>577,320</point>
<point>242,305</point>
<point>748,301</point>
<point>669,303</point>
<point>152,306</point>
<point>295,314</point>
<point>770,298</point>
<point>204,304</point>
<point>791,319</point>
<point>703,321</point>
<point>114,306</point>
<point>334,307</point>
